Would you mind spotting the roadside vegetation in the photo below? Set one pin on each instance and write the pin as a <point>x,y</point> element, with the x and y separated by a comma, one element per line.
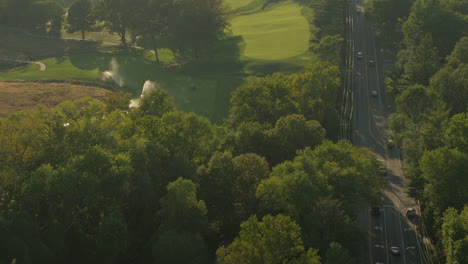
<point>194,173</point>
<point>431,123</point>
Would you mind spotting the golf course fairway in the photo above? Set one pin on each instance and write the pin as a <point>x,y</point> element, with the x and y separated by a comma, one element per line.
<point>235,4</point>
<point>277,33</point>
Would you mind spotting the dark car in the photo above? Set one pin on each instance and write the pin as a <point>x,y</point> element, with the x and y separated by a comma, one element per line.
<point>375,211</point>
<point>410,212</point>
<point>371,63</point>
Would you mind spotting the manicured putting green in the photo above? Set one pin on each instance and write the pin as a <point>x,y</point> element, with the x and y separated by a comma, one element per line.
<point>235,4</point>
<point>279,32</point>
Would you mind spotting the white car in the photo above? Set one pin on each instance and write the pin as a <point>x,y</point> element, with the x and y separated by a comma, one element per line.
<point>374,93</point>
<point>395,251</point>
<point>359,55</point>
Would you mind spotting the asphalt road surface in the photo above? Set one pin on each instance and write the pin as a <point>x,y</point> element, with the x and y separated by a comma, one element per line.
<point>392,228</point>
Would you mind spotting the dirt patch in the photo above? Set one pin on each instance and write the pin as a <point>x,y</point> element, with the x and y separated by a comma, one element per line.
<point>19,96</point>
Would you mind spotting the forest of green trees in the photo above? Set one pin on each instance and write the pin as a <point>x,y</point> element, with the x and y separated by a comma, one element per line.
<point>431,122</point>
<point>93,182</point>
<point>96,182</point>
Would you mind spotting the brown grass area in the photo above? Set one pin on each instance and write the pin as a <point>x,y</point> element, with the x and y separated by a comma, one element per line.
<point>19,96</point>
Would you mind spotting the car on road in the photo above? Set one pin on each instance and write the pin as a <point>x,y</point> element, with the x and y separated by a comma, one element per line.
<point>374,93</point>
<point>410,212</point>
<point>390,144</point>
<point>371,63</point>
<point>382,170</point>
<point>395,251</point>
<point>359,55</point>
<point>375,211</point>
<point>358,11</point>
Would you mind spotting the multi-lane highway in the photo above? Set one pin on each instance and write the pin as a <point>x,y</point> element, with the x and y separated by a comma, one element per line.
<point>392,228</point>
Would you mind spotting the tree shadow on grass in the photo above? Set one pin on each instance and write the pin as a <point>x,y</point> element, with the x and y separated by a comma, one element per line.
<point>204,86</point>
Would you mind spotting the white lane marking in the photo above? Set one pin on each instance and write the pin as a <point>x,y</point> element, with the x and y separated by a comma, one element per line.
<point>402,238</point>
<point>370,238</point>
<point>376,67</point>
<point>385,228</point>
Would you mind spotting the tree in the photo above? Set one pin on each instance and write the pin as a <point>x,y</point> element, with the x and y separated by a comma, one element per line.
<point>457,132</point>
<point>186,135</point>
<point>317,186</point>
<point>196,25</point>
<point>157,103</point>
<point>179,247</point>
<point>80,17</point>
<point>112,237</point>
<point>336,254</point>
<point>263,101</point>
<point>459,54</point>
<point>249,137</point>
<point>312,94</point>
<point>386,16</point>
<point>117,101</point>
<point>41,13</point>
<point>444,170</point>
<point>183,221</point>
<point>228,185</point>
<point>451,81</point>
<point>117,15</point>
<point>415,101</point>
<point>180,209</point>
<point>452,86</point>
<point>153,23</point>
<point>455,235</point>
<point>329,49</point>
<point>292,133</point>
<point>433,17</point>
<point>250,169</point>
<point>433,126</point>
<point>327,14</point>
<point>274,240</point>
<point>422,62</point>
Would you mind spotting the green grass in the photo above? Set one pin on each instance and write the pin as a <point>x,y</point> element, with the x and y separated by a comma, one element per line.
<point>252,7</point>
<point>203,86</point>
<point>277,33</point>
<point>236,4</point>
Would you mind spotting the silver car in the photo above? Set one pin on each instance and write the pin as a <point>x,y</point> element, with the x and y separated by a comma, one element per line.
<point>395,251</point>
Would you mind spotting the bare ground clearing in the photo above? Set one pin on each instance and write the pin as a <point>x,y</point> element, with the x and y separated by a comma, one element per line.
<point>19,96</point>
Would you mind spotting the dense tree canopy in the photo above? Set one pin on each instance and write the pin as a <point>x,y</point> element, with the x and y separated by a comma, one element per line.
<point>455,235</point>
<point>273,240</point>
<point>312,94</point>
<point>436,18</point>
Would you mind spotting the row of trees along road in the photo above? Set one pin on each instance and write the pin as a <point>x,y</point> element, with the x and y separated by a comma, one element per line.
<point>431,123</point>
<point>93,182</point>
